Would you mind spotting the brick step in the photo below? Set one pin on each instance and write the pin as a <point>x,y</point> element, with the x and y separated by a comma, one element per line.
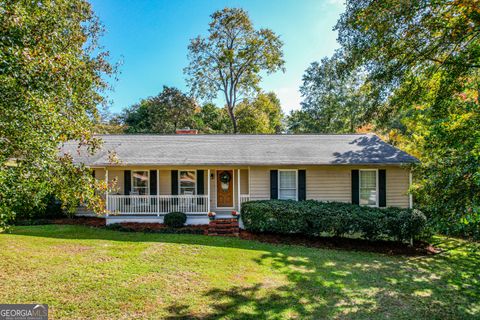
<point>223,227</point>
<point>224,222</point>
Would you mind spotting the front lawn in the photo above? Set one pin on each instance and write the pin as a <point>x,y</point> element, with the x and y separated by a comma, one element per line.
<point>90,273</point>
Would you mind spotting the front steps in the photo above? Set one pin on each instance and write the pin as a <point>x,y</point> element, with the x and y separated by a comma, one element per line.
<point>223,227</point>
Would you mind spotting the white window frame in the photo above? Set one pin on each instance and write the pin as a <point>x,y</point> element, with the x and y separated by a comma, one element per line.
<point>296,183</point>
<point>180,182</point>
<point>132,179</point>
<point>360,187</point>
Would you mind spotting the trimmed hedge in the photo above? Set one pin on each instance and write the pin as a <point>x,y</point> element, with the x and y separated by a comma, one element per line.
<point>335,218</point>
<point>175,219</point>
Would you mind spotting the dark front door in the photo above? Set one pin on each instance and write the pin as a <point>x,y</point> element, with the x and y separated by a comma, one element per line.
<point>225,188</point>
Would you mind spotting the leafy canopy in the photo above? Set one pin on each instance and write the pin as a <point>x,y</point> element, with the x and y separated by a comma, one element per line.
<point>51,82</point>
<point>164,113</point>
<point>423,59</point>
<point>231,59</point>
<point>261,115</point>
<point>334,101</point>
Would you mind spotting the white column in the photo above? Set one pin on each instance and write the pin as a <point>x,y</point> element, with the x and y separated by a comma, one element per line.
<point>410,196</point>
<point>208,190</point>
<point>158,192</point>
<point>106,192</point>
<point>238,187</point>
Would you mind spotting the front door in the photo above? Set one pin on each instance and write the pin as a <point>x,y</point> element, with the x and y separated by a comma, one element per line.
<point>225,188</point>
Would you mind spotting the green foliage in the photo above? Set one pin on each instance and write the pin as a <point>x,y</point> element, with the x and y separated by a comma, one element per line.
<point>334,218</point>
<point>211,119</point>
<point>51,209</point>
<point>334,101</point>
<point>175,219</point>
<point>261,115</point>
<point>231,58</point>
<point>416,66</point>
<point>51,83</point>
<point>164,113</point>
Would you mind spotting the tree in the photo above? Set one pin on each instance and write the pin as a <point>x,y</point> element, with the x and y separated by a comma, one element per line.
<point>52,79</point>
<point>211,119</point>
<point>261,115</point>
<point>164,113</point>
<point>231,59</point>
<point>423,58</point>
<point>333,101</point>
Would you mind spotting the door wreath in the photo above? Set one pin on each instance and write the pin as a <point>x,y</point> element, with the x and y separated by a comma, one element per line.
<point>225,178</point>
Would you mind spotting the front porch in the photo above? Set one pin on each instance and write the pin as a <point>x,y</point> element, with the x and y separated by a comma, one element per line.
<point>151,193</point>
<point>161,204</point>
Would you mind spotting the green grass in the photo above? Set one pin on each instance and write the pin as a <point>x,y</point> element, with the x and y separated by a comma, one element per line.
<point>86,273</point>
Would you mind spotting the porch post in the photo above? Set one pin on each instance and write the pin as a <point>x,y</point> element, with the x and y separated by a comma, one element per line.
<point>410,196</point>
<point>208,190</point>
<point>238,191</point>
<point>158,192</point>
<point>106,192</point>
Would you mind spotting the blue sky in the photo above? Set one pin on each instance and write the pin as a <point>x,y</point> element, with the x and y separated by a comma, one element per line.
<point>151,39</point>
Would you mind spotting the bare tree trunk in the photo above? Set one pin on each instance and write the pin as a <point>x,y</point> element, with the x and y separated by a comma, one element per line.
<point>234,120</point>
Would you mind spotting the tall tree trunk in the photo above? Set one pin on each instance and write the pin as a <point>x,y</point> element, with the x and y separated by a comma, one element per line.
<point>234,120</point>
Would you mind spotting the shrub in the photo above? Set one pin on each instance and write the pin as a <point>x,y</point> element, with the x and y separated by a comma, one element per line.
<point>48,208</point>
<point>335,218</point>
<point>175,219</point>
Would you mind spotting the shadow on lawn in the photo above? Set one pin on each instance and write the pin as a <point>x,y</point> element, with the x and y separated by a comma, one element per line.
<point>418,288</point>
<point>333,285</point>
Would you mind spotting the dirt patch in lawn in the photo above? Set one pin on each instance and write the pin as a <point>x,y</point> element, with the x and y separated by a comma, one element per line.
<point>380,246</point>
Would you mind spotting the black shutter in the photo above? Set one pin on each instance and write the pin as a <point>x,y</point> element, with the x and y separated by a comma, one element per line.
<point>355,187</point>
<point>382,188</point>
<point>127,182</point>
<point>302,185</point>
<point>273,184</point>
<point>200,182</point>
<point>93,173</point>
<point>174,182</point>
<point>153,182</point>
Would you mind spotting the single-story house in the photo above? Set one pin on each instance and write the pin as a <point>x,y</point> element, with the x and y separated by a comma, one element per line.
<point>196,173</point>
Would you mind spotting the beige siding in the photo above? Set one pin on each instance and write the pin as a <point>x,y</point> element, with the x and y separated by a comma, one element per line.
<point>165,182</point>
<point>329,184</point>
<point>334,184</point>
<point>244,181</point>
<point>118,177</point>
<point>323,183</point>
<point>397,187</point>
<point>259,183</point>
<point>99,174</point>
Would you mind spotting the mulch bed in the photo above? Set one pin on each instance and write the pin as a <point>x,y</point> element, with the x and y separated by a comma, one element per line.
<point>142,227</point>
<point>380,246</point>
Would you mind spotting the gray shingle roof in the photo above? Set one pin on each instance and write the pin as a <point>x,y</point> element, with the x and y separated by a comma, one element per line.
<point>242,150</point>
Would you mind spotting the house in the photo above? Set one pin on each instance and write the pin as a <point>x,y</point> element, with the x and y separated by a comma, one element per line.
<point>196,174</point>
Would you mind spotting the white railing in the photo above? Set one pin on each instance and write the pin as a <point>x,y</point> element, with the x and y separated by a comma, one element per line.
<point>155,205</point>
<point>244,198</point>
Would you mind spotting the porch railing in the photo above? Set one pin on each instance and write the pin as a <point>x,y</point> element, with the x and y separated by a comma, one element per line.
<point>136,204</point>
<point>244,198</point>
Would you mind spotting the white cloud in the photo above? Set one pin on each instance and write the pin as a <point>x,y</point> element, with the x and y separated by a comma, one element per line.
<point>289,97</point>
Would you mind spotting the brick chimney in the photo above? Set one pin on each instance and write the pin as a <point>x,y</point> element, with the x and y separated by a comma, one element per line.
<point>186,131</point>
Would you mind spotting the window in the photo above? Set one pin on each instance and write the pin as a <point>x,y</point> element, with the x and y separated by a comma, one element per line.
<point>368,187</point>
<point>140,182</point>
<point>187,182</point>
<point>287,184</point>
